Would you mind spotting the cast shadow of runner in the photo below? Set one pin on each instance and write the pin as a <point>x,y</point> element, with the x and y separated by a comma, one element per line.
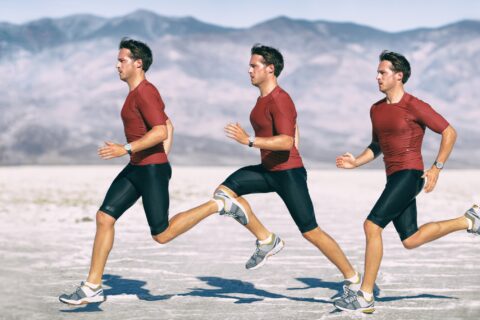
<point>338,286</point>
<point>236,289</point>
<point>335,286</point>
<point>120,286</point>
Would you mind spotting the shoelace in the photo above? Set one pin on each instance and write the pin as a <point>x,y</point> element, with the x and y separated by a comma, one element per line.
<point>347,291</point>
<point>351,298</point>
<point>231,214</point>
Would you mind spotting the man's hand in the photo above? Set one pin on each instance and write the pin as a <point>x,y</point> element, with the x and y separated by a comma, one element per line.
<point>111,150</point>
<point>432,176</point>
<point>346,161</point>
<point>236,132</point>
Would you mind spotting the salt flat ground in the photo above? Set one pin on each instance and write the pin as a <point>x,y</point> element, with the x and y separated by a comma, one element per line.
<point>47,227</point>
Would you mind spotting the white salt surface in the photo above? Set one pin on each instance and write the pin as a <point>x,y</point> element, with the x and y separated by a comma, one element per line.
<point>47,227</point>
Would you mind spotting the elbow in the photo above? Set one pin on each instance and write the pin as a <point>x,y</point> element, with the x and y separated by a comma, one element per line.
<point>289,143</point>
<point>450,133</point>
<point>170,127</point>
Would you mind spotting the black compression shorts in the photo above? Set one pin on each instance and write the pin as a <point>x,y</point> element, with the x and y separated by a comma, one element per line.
<point>290,185</point>
<point>397,202</point>
<point>147,181</point>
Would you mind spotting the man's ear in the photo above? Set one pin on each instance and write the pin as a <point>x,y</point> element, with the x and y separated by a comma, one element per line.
<point>271,68</point>
<point>399,76</point>
<point>138,63</point>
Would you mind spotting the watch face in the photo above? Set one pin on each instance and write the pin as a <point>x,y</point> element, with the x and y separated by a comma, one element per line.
<point>439,165</point>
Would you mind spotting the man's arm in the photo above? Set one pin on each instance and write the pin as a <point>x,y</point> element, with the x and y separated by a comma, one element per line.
<point>153,137</point>
<point>281,142</point>
<point>449,135</point>
<point>167,143</point>
<point>348,161</point>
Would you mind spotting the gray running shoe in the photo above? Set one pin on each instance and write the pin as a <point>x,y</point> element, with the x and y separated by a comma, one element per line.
<point>355,301</point>
<point>232,207</point>
<point>263,251</point>
<point>83,295</point>
<point>473,214</point>
<point>352,287</point>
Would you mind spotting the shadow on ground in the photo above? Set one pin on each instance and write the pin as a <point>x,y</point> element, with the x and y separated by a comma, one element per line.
<point>119,286</point>
<point>240,291</point>
<point>236,289</point>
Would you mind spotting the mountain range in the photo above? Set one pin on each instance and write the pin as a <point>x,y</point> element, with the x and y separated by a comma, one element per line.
<point>61,96</point>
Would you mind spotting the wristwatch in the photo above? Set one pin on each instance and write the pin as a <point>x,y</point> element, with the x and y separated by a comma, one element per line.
<point>251,140</point>
<point>128,147</point>
<point>438,165</point>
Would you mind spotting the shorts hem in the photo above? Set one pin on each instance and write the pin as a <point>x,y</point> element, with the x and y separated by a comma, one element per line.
<point>308,228</point>
<point>377,222</point>
<point>109,212</point>
<point>408,234</point>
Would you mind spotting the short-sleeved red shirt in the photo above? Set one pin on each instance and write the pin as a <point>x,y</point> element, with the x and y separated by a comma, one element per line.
<point>272,115</point>
<point>143,109</point>
<point>399,129</point>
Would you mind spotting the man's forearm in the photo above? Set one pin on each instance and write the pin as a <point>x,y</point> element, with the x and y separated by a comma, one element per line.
<point>449,136</point>
<point>365,157</point>
<point>281,142</point>
<point>153,137</point>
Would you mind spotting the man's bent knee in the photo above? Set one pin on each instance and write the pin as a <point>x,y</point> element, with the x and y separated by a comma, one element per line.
<point>410,243</point>
<point>371,229</point>
<point>309,235</point>
<point>104,220</point>
<point>161,238</point>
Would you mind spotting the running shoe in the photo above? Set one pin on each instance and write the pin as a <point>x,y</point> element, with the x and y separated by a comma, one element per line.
<point>355,301</point>
<point>263,251</point>
<point>83,295</point>
<point>350,287</point>
<point>232,207</point>
<point>473,214</point>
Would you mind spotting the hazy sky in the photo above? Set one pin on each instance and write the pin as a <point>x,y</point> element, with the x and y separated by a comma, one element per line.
<point>393,15</point>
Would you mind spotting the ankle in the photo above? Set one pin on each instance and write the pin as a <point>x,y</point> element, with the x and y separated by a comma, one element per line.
<point>268,240</point>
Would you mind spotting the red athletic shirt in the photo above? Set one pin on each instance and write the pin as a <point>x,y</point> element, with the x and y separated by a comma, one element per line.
<point>272,115</point>
<point>142,110</point>
<point>399,129</point>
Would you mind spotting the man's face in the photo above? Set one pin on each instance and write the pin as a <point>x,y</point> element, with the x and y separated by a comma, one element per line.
<point>258,71</point>
<point>386,78</point>
<point>126,66</point>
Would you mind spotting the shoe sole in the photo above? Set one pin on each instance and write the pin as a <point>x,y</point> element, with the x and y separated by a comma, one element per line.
<point>368,310</point>
<point>82,302</point>
<point>274,251</point>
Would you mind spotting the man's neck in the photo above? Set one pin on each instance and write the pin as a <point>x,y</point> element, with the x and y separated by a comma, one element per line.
<point>135,81</point>
<point>267,87</point>
<point>395,95</point>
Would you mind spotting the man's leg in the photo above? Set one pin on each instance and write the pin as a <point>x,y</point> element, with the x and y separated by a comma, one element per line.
<point>434,230</point>
<point>120,196</point>
<point>330,248</point>
<point>102,246</point>
<point>373,255</point>
<point>184,221</point>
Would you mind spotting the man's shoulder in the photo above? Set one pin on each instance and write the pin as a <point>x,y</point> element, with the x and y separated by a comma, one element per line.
<point>146,87</point>
<point>379,102</point>
<point>414,102</point>
<point>281,96</point>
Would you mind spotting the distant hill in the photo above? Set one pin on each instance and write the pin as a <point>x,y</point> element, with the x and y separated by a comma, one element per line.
<point>61,96</point>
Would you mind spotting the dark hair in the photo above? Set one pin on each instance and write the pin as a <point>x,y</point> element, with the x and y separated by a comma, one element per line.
<point>270,56</point>
<point>399,63</point>
<point>139,51</point>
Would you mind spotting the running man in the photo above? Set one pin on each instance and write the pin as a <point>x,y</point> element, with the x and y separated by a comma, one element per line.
<point>399,121</point>
<point>273,119</point>
<point>149,135</point>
